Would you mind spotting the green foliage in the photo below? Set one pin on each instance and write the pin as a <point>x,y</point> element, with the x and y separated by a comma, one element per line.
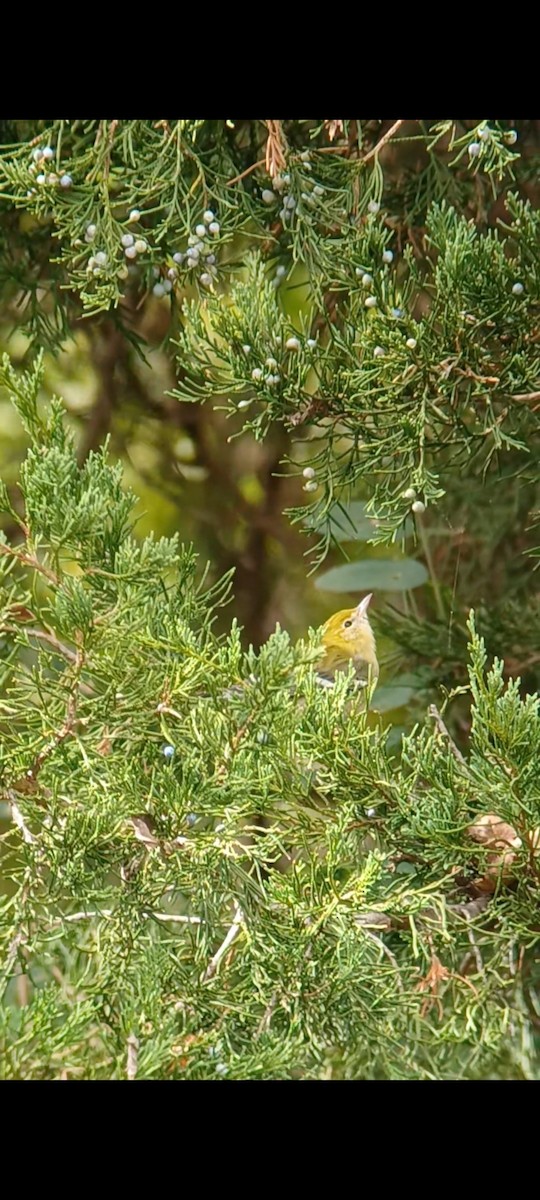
<point>217,867</point>
<point>278,895</point>
<point>412,353</point>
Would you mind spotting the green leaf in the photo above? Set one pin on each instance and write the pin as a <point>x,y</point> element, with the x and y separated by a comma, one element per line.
<point>382,574</point>
<point>387,698</point>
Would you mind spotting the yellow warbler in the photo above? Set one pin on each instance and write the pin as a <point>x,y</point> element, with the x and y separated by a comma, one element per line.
<point>348,637</point>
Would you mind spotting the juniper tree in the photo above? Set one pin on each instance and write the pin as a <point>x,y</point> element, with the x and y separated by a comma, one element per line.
<point>153,927</point>
<point>190,898</point>
<point>390,273</point>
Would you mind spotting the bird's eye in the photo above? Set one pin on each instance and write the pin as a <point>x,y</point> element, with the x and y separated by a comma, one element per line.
<point>347,624</point>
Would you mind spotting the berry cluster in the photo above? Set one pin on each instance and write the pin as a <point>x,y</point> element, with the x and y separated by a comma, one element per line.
<point>366,279</point>
<point>417,506</point>
<point>198,257</point>
<point>268,373</point>
<point>131,246</point>
<point>40,157</point>
<point>309,197</point>
<point>311,484</point>
<point>484,135</point>
<point>380,352</point>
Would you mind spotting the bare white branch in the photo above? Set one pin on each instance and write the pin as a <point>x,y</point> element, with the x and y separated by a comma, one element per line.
<point>228,941</point>
<point>108,912</point>
<point>132,1056</point>
<point>19,821</point>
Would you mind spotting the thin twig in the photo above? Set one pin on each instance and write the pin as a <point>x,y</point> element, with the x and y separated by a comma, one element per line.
<point>332,149</point>
<point>476,952</point>
<point>144,829</point>
<point>108,150</point>
<point>108,912</point>
<point>264,1023</point>
<point>177,918</point>
<point>132,1056</point>
<point>470,374</point>
<point>386,138</point>
<point>19,937</point>
<point>434,712</point>
<point>528,398</point>
<point>29,560</point>
<point>53,641</point>
<point>379,942</point>
<point>384,922</point>
<point>228,941</point>
<point>247,171</point>
<point>379,920</point>
<point>18,819</point>
<point>316,407</point>
<point>13,950</point>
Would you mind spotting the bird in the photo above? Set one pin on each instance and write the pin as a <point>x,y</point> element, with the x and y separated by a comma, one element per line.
<point>348,637</point>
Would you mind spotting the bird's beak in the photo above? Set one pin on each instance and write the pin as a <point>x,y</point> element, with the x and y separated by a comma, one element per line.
<point>364,605</point>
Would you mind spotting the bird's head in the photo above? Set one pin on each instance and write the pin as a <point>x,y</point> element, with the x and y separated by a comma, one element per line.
<point>349,632</point>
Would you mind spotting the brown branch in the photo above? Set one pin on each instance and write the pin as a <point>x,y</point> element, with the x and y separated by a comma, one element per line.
<point>271,145</point>
<point>333,128</point>
<point>44,637</point>
<point>514,666</point>
<point>385,922</point>
<point>316,407</point>
<point>144,828</point>
<point>233,745</point>
<point>276,146</point>
<point>29,560</point>
<point>110,140</point>
<point>247,171</point>
<point>12,953</point>
<point>528,398</point>
<point>470,374</point>
<point>332,149</point>
<point>435,714</point>
<point>475,955</point>
<point>53,641</point>
<point>386,138</point>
